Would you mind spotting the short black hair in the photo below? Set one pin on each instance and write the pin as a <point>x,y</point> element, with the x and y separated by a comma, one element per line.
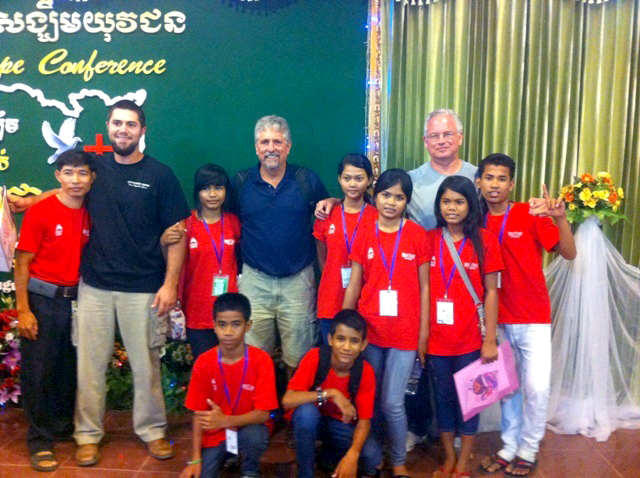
<point>232,301</point>
<point>75,158</point>
<point>210,175</point>
<point>352,319</point>
<point>390,178</point>
<point>128,105</point>
<point>498,159</point>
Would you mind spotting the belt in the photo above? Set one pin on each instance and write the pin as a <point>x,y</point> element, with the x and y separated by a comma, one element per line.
<point>66,292</point>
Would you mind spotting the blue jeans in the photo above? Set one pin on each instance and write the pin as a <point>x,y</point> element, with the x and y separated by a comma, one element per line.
<point>201,340</point>
<point>309,424</point>
<point>448,411</point>
<point>252,443</point>
<point>392,368</point>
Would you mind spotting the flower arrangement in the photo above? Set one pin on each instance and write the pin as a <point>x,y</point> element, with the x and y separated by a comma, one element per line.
<point>589,196</point>
<point>9,352</point>
<point>176,363</point>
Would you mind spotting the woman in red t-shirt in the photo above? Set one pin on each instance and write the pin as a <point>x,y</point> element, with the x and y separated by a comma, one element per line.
<point>390,287</point>
<point>210,268</point>
<point>336,235</point>
<point>453,339</point>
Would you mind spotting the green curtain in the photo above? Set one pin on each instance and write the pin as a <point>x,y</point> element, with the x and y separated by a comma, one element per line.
<point>552,83</point>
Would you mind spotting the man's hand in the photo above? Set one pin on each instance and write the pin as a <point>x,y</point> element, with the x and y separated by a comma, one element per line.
<point>348,466</point>
<point>172,235</point>
<point>212,419</point>
<point>345,406</point>
<point>165,299</point>
<point>547,206</point>
<point>192,471</point>
<point>324,207</point>
<point>28,325</point>
<point>489,351</point>
<point>422,349</point>
<point>17,203</point>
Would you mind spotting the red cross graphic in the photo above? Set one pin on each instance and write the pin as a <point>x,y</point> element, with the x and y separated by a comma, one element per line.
<point>99,147</point>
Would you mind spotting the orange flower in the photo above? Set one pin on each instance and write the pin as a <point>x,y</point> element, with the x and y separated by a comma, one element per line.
<point>613,197</point>
<point>569,197</point>
<point>607,181</point>
<point>587,178</point>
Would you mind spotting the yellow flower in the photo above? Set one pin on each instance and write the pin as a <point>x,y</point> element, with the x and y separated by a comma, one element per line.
<point>601,194</point>
<point>577,185</point>
<point>620,193</point>
<point>591,202</point>
<point>572,207</point>
<point>585,194</point>
<point>603,175</point>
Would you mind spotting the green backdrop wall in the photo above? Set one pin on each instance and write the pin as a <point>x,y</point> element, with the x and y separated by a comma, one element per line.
<point>234,62</point>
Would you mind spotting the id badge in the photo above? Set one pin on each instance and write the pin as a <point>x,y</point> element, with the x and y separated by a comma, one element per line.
<point>389,303</point>
<point>345,273</point>
<point>500,280</point>
<point>231,435</point>
<point>220,285</point>
<point>444,311</point>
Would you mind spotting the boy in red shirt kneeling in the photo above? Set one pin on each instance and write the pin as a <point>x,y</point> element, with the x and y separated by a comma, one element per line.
<point>333,392</point>
<point>232,391</point>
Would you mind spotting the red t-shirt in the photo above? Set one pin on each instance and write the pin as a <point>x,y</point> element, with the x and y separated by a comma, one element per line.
<point>524,298</point>
<point>302,381</point>
<point>202,264</point>
<point>56,235</point>
<point>399,332</point>
<point>464,335</point>
<point>331,232</point>
<point>258,389</point>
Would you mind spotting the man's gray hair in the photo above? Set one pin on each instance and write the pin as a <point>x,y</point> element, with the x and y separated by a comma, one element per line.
<point>273,123</point>
<point>443,112</point>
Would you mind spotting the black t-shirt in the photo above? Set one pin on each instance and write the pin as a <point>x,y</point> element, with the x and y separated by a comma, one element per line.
<point>130,205</point>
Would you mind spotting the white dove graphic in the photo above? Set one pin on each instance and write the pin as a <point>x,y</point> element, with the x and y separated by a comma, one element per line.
<point>63,141</point>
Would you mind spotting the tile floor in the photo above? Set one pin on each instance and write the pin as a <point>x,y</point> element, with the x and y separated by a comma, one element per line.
<point>124,456</point>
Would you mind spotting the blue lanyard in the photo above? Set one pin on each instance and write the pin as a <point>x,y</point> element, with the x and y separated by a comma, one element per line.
<point>447,283</point>
<point>224,381</point>
<point>218,252</point>
<point>355,230</point>
<point>395,251</point>
<point>504,222</point>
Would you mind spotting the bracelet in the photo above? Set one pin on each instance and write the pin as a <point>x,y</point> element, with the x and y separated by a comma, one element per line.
<point>195,462</point>
<point>320,397</point>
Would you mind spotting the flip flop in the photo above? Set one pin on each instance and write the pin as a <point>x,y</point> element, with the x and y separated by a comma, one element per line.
<point>495,460</point>
<point>40,457</point>
<point>526,465</point>
<point>441,473</point>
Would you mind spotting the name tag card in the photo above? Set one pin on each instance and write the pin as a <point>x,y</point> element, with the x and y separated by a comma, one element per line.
<point>345,273</point>
<point>231,436</point>
<point>389,303</point>
<point>220,285</point>
<point>444,312</point>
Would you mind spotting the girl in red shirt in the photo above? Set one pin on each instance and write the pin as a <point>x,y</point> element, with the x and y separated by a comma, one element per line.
<point>210,268</point>
<point>390,287</point>
<point>336,235</point>
<point>453,339</point>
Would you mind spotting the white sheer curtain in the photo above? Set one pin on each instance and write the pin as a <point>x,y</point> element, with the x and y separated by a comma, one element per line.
<point>595,381</point>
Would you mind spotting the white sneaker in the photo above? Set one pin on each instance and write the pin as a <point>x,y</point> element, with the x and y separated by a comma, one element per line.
<point>413,440</point>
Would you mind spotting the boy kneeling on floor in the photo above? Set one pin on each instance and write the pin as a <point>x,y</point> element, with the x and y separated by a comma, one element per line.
<point>333,392</point>
<point>232,391</point>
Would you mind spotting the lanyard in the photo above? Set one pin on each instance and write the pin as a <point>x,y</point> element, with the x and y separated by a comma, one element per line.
<point>218,252</point>
<point>355,230</point>
<point>504,222</point>
<point>395,251</point>
<point>447,283</point>
<point>224,380</point>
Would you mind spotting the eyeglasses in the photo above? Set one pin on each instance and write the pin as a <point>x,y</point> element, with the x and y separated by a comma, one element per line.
<point>448,136</point>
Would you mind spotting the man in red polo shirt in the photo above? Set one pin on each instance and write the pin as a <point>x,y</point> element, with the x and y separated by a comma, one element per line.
<point>52,236</point>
